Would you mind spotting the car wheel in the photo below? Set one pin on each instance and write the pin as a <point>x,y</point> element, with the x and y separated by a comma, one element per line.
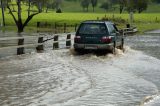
<point>79,51</point>
<point>114,48</point>
<point>122,45</point>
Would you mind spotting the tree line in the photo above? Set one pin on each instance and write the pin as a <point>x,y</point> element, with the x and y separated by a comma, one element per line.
<point>16,6</point>
<point>123,5</point>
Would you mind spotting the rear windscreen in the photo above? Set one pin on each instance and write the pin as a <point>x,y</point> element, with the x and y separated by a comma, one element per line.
<point>92,29</point>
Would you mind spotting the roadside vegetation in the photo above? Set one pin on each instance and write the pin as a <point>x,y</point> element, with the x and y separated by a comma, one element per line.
<point>75,11</point>
<point>143,21</point>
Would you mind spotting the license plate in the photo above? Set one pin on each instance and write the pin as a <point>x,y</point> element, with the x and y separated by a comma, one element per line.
<point>90,47</point>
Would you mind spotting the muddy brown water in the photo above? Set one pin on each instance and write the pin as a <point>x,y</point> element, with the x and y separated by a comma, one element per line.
<point>63,78</point>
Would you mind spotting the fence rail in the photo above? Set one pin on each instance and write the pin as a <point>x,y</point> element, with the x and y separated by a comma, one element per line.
<point>63,27</point>
<point>39,44</point>
<point>130,30</point>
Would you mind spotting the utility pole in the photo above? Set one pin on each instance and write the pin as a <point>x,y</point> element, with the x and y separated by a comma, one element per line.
<point>3,18</point>
<point>131,17</point>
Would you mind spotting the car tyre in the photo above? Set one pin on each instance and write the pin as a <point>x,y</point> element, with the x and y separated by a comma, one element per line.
<point>122,45</point>
<point>79,51</point>
<point>114,48</point>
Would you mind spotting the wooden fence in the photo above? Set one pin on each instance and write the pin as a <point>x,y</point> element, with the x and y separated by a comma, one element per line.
<point>39,44</point>
<point>129,30</point>
<point>58,27</point>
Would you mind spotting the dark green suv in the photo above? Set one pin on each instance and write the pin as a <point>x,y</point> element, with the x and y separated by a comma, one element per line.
<point>98,35</point>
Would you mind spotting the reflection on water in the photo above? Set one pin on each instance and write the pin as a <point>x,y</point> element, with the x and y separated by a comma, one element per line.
<point>149,44</point>
<point>15,42</point>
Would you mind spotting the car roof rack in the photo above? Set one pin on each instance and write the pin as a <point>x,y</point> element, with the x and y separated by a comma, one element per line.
<point>97,21</point>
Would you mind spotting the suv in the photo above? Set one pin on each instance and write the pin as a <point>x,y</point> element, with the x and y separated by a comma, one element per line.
<point>98,35</point>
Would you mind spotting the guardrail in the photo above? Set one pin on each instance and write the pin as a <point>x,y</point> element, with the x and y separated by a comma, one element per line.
<point>58,27</point>
<point>39,44</point>
<point>130,30</point>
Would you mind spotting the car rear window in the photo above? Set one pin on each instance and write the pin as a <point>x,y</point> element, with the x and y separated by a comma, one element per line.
<point>92,28</point>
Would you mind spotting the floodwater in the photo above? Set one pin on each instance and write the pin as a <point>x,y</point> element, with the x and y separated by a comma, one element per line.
<point>64,78</point>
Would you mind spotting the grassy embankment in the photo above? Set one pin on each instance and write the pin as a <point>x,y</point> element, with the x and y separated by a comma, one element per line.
<point>144,21</point>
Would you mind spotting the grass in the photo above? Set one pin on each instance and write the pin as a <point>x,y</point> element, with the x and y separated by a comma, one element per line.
<point>76,7</point>
<point>72,14</point>
<point>144,21</point>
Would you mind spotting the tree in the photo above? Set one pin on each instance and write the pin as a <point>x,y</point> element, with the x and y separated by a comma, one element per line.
<point>57,4</point>
<point>114,1</point>
<point>18,21</point>
<point>122,5</point>
<point>85,4</point>
<point>50,4</point>
<point>39,4</point>
<point>141,5</point>
<point>133,5</point>
<point>3,6</point>
<point>157,1</point>
<point>105,5</point>
<point>94,4</point>
<point>3,17</point>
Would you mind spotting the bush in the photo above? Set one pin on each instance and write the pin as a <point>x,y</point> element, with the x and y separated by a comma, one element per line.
<point>117,19</point>
<point>59,11</point>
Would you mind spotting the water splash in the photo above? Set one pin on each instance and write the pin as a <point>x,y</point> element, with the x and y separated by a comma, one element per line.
<point>64,77</point>
<point>153,100</point>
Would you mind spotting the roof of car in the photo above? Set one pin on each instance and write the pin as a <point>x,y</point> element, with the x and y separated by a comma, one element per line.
<point>97,21</point>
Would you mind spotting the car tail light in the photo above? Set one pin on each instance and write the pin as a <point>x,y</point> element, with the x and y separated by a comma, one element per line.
<point>77,38</point>
<point>106,39</point>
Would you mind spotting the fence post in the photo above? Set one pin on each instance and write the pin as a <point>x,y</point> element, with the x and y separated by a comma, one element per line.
<point>128,25</point>
<point>20,50</point>
<point>65,27</point>
<point>55,43</point>
<point>40,47</point>
<point>38,24</point>
<point>45,24</point>
<point>68,41</point>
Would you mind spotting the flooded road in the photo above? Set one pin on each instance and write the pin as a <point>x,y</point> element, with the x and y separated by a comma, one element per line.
<point>63,78</point>
<point>149,44</point>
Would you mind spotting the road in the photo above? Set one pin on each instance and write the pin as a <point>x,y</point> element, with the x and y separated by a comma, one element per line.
<point>63,78</point>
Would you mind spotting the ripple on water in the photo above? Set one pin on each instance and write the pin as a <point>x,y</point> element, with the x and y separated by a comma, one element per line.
<point>54,82</point>
<point>65,78</point>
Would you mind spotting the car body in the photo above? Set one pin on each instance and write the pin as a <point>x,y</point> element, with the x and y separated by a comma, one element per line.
<point>97,35</point>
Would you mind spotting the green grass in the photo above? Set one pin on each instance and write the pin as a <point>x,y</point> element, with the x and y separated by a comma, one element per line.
<point>78,17</point>
<point>144,21</point>
<point>153,8</point>
<point>73,14</point>
<point>76,7</point>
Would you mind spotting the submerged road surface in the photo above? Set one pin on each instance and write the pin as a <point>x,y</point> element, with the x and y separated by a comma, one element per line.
<point>63,78</point>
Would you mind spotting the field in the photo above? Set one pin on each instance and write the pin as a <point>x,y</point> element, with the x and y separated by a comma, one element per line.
<point>75,7</point>
<point>72,14</point>
<point>144,21</point>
